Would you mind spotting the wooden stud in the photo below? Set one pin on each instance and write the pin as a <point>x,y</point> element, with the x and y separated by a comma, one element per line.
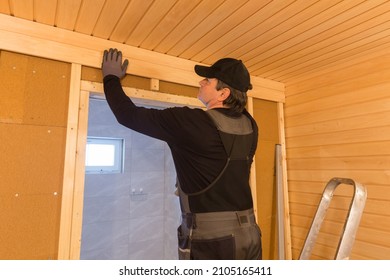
<point>78,194</point>
<point>69,166</point>
<point>252,178</point>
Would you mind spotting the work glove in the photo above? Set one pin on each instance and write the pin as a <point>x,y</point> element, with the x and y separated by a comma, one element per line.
<point>112,63</point>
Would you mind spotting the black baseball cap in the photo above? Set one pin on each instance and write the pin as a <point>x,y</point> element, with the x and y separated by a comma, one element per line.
<point>231,71</point>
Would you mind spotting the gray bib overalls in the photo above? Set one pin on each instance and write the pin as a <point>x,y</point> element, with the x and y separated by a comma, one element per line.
<point>218,222</point>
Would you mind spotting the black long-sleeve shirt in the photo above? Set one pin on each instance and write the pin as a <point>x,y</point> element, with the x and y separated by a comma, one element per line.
<point>197,150</point>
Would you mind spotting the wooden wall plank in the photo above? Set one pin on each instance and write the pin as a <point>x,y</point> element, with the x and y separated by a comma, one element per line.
<point>358,122</point>
<point>343,99</point>
<point>377,177</point>
<point>341,163</point>
<point>337,126</point>
<point>374,134</point>
<point>348,149</point>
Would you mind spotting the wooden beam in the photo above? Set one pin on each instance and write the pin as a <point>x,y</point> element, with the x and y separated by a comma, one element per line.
<point>252,178</point>
<point>146,97</point>
<point>78,193</point>
<point>69,166</point>
<point>46,41</point>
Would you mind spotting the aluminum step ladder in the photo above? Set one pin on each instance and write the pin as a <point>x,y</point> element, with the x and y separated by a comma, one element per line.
<point>351,224</point>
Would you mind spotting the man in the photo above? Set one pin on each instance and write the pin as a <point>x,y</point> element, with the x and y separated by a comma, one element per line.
<point>212,152</point>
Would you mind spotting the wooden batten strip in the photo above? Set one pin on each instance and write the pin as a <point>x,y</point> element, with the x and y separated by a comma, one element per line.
<point>252,178</point>
<point>69,166</point>
<point>146,97</point>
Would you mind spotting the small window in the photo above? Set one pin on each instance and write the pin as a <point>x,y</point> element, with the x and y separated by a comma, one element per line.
<point>104,155</point>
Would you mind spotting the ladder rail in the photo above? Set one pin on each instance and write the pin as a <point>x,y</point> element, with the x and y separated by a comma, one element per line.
<point>352,222</point>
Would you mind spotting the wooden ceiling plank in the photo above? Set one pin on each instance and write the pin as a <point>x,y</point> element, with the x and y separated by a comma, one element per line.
<point>153,16</point>
<point>337,38</point>
<point>285,20</point>
<point>131,16</point>
<point>206,30</point>
<point>361,57</point>
<point>22,9</point>
<point>313,33</point>
<point>89,13</point>
<point>196,17</point>
<point>111,13</point>
<point>67,12</point>
<point>4,7</point>
<point>210,52</point>
<point>177,14</point>
<point>367,43</point>
<point>266,30</point>
<point>344,33</point>
<point>45,11</point>
<point>304,31</point>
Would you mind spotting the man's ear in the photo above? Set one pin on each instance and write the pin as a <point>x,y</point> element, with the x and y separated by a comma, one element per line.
<point>224,93</point>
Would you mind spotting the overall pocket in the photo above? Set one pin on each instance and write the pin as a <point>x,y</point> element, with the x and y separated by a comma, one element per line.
<point>221,248</point>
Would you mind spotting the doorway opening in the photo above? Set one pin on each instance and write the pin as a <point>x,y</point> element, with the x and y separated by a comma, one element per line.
<point>131,214</point>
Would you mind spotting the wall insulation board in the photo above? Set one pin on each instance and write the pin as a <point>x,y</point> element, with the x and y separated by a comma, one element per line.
<point>266,115</point>
<point>33,119</point>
